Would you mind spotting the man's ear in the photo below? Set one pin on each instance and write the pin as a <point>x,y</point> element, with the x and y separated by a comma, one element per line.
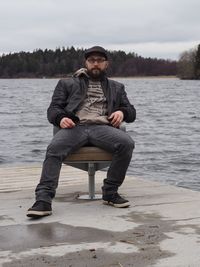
<point>107,64</point>
<point>85,63</point>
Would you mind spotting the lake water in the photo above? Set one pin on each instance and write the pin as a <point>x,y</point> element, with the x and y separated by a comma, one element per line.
<point>166,132</point>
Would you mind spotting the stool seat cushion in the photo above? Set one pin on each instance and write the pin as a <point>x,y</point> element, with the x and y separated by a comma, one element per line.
<point>89,153</point>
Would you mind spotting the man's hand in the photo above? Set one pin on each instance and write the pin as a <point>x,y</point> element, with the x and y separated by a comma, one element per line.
<point>66,123</point>
<point>116,118</point>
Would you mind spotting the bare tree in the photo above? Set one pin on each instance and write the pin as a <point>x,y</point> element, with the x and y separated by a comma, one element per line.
<point>197,63</point>
<point>186,64</point>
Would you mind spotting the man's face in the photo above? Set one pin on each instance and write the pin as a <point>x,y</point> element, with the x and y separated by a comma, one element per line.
<point>96,65</point>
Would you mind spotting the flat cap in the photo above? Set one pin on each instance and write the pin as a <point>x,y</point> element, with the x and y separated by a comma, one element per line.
<point>96,49</point>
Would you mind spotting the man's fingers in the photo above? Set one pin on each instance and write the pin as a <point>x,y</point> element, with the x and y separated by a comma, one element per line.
<point>116,118</point>
<point>67,123</point>
<point>111,116</point>
<point>70,123</point>
<point>115,121</point>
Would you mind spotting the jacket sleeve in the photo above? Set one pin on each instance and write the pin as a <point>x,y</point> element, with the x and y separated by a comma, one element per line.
<point>126,107</point>
<point>56,111</point>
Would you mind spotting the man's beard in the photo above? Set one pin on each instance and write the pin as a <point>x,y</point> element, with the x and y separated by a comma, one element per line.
<point>96,73</point>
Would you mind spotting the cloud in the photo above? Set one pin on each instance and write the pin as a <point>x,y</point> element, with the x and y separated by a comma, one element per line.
<point>162,28</point>
<point>168,50</point>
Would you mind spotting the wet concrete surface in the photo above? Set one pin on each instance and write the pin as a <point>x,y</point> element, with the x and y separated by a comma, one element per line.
<point>160,229</point>
<point>18,238</point>
<point>145,237</point>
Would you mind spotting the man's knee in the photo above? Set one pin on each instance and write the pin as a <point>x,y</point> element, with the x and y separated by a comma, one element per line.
<point>129,144</point>
<point>126,147</point>
<point>52,148</point>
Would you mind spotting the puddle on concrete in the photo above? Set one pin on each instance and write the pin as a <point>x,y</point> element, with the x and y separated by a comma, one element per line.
<point>146,237</point>
<point>23,237</point>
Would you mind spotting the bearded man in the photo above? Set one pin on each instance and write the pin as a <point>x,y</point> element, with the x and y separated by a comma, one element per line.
<point>88,109</point>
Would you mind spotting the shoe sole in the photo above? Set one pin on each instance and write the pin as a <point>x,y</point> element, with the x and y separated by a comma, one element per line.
<point>123,205</point>
<point>38,214</point>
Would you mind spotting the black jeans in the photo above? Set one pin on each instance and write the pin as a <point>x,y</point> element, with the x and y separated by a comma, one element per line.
<point>65,141</point>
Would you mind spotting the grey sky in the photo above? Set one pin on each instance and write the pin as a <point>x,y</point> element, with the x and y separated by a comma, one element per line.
<point>150,28</point>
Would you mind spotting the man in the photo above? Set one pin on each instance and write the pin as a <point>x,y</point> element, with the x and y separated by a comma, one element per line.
<point>88,109</point>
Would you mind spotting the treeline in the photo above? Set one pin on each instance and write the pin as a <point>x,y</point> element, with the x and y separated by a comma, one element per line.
<point>64,62</point>
<point>188,66</point>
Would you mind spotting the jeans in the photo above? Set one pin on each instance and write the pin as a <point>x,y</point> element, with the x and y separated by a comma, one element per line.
<point>66,141</point>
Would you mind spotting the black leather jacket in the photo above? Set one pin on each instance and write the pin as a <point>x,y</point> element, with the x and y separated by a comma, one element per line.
<point>69,94</point>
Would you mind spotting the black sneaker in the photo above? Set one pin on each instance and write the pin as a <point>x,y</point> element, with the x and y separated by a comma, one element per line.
<point>116,200</point>
<point>39,209</point>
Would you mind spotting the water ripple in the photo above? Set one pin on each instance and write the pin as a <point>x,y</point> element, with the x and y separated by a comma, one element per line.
<point>166,131</point>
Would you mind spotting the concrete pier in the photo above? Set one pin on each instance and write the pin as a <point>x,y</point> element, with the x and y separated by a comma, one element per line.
<point>161,228</point>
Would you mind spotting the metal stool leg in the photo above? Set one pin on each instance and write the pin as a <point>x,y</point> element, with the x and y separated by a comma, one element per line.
<point>91,177</point>
<point>91,182</point>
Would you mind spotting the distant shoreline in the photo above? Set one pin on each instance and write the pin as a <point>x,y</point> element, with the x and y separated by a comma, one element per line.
<point>115,77</point>
<point>150,77</point>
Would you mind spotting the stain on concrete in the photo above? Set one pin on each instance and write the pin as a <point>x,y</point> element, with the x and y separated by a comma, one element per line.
<point>87,258</point>
<point>5,218</point>
<point>147,236</point>
<point>152,229</point>
<point>11,191</point>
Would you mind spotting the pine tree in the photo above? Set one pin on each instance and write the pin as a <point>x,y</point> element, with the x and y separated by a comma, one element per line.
<point>64,62</point>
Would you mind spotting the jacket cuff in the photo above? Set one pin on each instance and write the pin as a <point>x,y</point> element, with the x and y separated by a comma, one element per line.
<point>124,112</point>
<point>58,119</point>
